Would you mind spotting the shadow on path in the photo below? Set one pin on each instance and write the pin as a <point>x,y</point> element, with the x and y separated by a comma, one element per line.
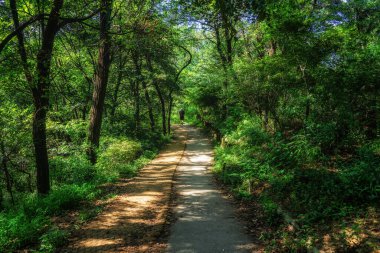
<point>205,220</point>
<point>135,219</point>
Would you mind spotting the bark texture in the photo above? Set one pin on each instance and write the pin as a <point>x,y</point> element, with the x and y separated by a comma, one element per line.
<point>100,80</point>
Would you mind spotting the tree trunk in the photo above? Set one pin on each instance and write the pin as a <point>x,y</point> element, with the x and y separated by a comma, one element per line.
<point>160,96</point>
<point>40,89</point>
<point>21,44</point>
<point>100,80</point>
<point>4,164</point>
<point>266,119</point>
<point>150,107</point>
<point>136,93</point>
<point>371,121</point>
<point>163,110</point>
<point>116,91</point>
<point>170,111</point>
<point>137,62</point>
<point>41,97</point>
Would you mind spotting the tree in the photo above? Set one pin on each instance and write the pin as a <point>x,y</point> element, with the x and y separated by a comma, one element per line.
<point>100,79</point>
<point>40,83</point>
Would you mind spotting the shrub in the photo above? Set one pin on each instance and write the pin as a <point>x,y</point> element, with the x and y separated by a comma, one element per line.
<point>270,209</point>
<point>53,239</point>
<point>68,197</point>
<point>77,130</point>
<point>59,200</point>
<point>31,220</point>
<point>361,178</point>
<point>117,156</point>
<point>18,229</point>
<point>75,169</point>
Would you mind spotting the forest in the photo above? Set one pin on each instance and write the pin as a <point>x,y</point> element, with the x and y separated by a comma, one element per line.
<point>288,91</point>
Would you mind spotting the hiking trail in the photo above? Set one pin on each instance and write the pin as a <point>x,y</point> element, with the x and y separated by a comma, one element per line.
<point>137,219</point>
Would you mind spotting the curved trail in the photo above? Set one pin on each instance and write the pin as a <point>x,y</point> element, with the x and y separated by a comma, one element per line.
<point>205,220</point>
<point>136,220</point>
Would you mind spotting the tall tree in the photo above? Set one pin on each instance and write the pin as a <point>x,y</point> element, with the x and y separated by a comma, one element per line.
<point>40,86</point>
<point>100,79</point>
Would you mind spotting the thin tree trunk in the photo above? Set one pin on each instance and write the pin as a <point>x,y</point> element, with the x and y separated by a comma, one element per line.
<point>116,90</point>
<point>4,164</point>
<point>150,107</point>
<point>137,62</point>
<point>160,96</point>
<point>136,93</point>
<point>100,80</point>
<point>21,43</point>
<point>224,62</point>
<point>163,111</point>
<point>170,111</point>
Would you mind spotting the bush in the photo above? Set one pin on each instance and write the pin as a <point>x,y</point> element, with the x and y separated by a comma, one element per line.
<point>75,169</point>
<point>17,230</point>
<point>68,197</point>
<point>115,159</point>
<point>72,131</point>
<point>59,200</point>
<point>53,239</point>
<point>28,224</point>
<point>292,173</point>
<point>361,178</point>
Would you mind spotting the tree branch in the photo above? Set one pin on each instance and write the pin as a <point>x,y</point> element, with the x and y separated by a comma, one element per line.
<point>22,26</point>
<point>65,21</point>
<point>187,63</point>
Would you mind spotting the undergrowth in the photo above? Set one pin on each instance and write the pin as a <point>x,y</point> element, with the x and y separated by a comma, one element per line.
<point>75,182</point>
<point>303,192</point>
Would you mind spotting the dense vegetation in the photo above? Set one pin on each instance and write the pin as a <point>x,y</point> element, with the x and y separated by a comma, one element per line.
<point>83,100</point>
<point>289,89</point>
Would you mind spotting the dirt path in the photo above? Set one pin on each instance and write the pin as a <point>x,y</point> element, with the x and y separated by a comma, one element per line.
<point>205,220</point>
<point>135,220</point>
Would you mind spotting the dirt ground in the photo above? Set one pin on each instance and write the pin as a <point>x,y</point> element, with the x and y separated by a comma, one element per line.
<point>135,220</point>
<point>173,205</point>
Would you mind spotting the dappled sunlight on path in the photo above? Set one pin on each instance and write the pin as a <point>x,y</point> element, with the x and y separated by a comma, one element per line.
<point>137,218</point>
<point>134,220</point>
<point>205,220</point>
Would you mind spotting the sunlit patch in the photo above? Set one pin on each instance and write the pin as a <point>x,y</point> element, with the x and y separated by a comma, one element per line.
<point>152,193</point>
<point>197,192</point>
<point>94,242</point>
<point>248,246</point>
<point>191,169</point>
<point>201,158</point>
<point>141,199</point>
<point>191,218</point>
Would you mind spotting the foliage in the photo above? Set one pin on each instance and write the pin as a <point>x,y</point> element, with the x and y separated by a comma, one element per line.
<point>292,175</point>
<point>116,158</point>
<point>288,88</point>
<point>74,169</point>
<point>52,240</point>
